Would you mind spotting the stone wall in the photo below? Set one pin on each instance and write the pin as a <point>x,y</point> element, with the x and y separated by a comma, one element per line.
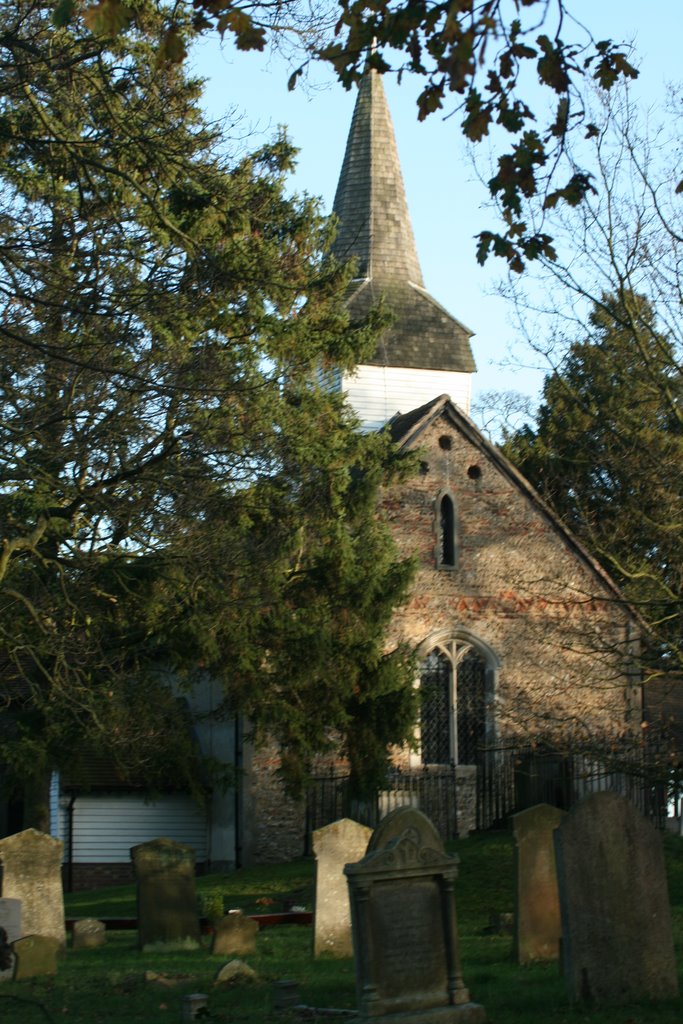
<point>273,825</point>
<point>558,632</point>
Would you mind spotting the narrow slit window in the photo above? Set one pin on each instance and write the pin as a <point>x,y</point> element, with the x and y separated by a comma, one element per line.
<point>447,530</point>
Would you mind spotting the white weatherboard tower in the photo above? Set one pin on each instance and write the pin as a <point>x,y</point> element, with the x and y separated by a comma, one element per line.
<point>425,352</point>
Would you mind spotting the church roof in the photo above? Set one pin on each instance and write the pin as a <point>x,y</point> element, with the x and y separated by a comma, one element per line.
<point>375,229</point>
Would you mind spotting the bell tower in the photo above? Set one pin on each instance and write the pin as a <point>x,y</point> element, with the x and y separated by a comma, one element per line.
<point>425,352</point>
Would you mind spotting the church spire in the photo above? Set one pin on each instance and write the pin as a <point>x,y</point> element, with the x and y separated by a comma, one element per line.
<point>375,229</point>
<point>370,203</point>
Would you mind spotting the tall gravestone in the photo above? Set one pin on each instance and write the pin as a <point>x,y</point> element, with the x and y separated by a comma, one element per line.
<point>537,906</point>
<point>404,924</point>
<point>334,846</point>
<point>617,943</point>
<point>166,895</point>
<point>32,872</point>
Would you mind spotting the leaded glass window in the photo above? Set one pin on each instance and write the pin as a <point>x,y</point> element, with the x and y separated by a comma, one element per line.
<point>435,685</point>
<point>453,704</point>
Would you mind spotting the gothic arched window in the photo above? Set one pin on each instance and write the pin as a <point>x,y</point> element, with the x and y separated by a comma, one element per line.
<point>455,683</point>
<point>446,532</point>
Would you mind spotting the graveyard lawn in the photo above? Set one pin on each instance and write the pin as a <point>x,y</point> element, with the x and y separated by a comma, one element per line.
<point>109,985</point>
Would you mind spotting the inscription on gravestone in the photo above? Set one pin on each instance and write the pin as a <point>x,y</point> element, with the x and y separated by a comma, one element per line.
<point>404,927</point>
<point>415,958</point>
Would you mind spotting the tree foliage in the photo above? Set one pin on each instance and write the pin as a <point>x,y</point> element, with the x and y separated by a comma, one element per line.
<point>606,452</point>
<point>475,59</point>
<point>177,495</point>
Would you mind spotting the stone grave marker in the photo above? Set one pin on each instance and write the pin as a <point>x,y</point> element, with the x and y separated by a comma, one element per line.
<point>36,955</point>
<point>404,925</point>
<point>88,933</point>
<point>234,935</point>
<point>617,943</point>
<point>10,918</point>
<point>32,872</point>
<point>343,842</point>
<point>166,895</point>
<point>537,916</point>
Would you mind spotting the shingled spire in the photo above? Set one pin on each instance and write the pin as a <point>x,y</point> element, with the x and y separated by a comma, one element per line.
<point>375,229</point>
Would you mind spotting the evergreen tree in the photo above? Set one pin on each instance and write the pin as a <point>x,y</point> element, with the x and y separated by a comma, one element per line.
<point>177,495</point>
<point>606,452</point>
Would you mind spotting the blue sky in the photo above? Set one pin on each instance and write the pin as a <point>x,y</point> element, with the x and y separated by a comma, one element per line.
<point>444,197</point>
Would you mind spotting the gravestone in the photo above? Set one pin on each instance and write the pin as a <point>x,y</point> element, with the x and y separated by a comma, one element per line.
<point>88,933</point>
<point>234,935</point>
<point>166,896</point>
<point>617,944</point>
<point>343,842</point>
<point>36,956</point>
<point>537,919</point>
<point>10,918</point>
<point>404,925</point>
<point>32,872</point>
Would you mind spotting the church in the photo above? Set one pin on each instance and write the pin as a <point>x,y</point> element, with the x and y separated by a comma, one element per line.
<point>521,635</point>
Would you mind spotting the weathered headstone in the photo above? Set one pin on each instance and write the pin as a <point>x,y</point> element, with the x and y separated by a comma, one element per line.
<point>36,956</point>
<point>343,842</point>
<point>32,872</point>
<point>166,895</point>
<point>537,919</point>
<point>10,918</point>
<point>234,935</point>
<point>617,943</point>
<point>88,933</point>
<point>404,927</point>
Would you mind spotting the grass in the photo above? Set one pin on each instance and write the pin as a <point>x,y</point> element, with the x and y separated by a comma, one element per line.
<point>108,985</point>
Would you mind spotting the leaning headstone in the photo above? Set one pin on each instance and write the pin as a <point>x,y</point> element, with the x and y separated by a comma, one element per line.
<point>10,918</point>
<point>234,935</point>
<point>537,918</point>
<point>32,872</point>
<point>343,842</point>
<point>166,895</point>
<point>36,955</point>
<point>405,934</point>
<point>88,933</point>
<point>617,944</point>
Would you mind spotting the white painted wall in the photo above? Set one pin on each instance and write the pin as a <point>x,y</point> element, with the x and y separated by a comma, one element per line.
<point>105,827</point>
<point>377,393</point>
